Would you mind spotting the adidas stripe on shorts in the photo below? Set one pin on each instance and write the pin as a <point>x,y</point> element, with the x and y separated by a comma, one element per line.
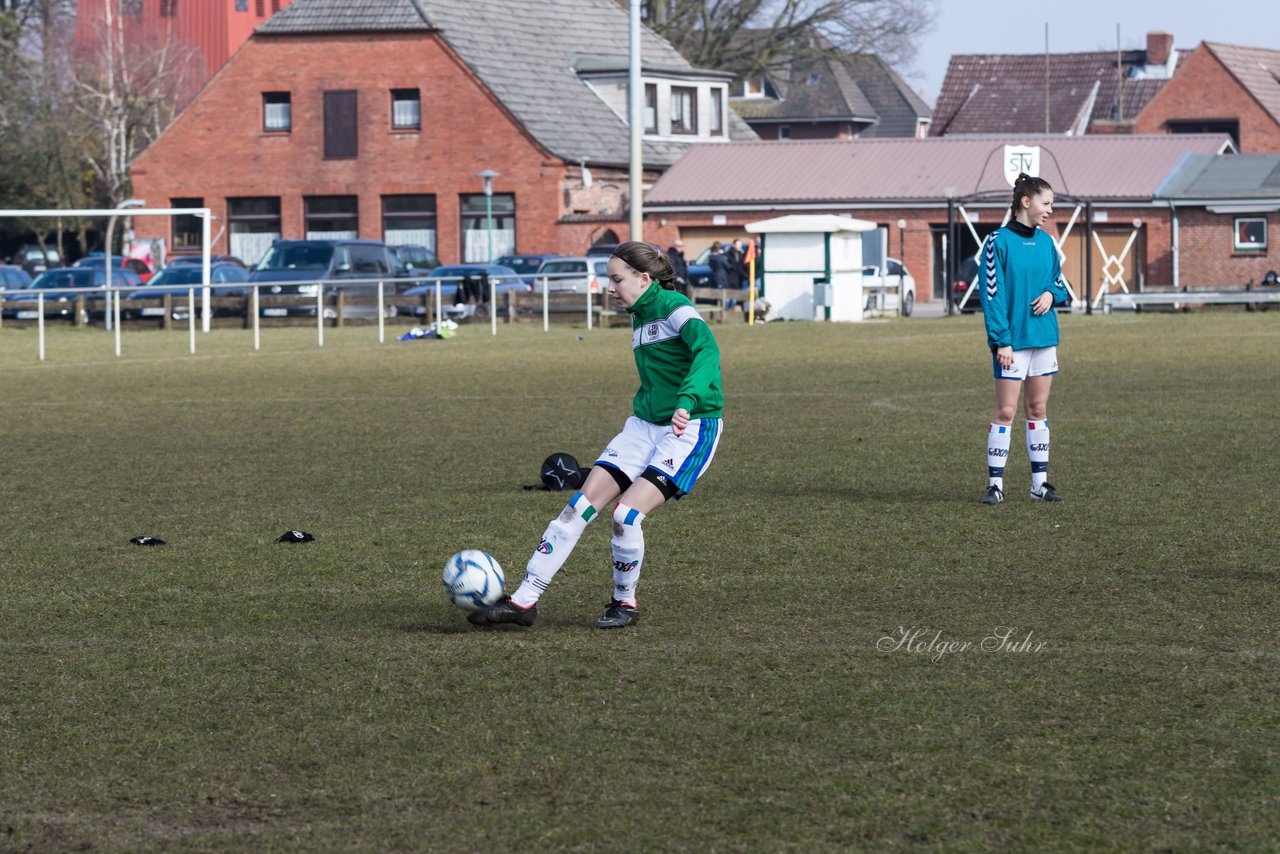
<point>642,445</point>
<point>1036,362</point>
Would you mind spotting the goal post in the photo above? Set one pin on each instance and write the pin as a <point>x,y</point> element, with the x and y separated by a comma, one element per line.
<point>137,208</point>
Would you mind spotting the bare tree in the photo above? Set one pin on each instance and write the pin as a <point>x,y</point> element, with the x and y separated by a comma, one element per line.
<point>40,140</point>
<point>751,36</point>
<point>130,85</point>
<point>74,115</point>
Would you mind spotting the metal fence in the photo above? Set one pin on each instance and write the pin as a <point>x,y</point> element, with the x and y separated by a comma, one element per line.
<point>387,298</point>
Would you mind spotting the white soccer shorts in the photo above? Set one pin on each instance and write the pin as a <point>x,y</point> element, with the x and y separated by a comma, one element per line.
<point>1036,362</point>
<point>642,445</point>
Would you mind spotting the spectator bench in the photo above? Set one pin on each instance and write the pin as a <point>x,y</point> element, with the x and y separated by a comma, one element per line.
<point>1185,300</point>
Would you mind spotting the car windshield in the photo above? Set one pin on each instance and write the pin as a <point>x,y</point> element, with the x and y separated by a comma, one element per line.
<point>564,267</point>
<point>297,257</point>
<point>455,272</point>
<point>521,264</point>
<point>184,274</point>
<point>414,257</point>
<point>66,277</point>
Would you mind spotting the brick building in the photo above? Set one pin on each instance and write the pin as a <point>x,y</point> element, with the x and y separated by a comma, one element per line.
<point>214,28</point>
<point>373,118</point>
<point>1059,93</point>
<point>1221,89</point>
<point>1106,184</point>
<point>1223,210</point>
<point>1214,88</point>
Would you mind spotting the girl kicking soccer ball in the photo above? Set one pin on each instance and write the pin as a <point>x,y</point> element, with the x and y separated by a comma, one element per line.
<point>1023,282</point>
<point>661,452</point>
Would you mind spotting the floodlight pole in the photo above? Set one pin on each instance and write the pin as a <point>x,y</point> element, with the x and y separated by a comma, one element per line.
<point>488,175</point>
<point>635,117</point>
<point>948,252</point>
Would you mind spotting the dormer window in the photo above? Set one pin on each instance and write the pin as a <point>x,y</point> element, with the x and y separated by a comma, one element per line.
<point>717,113</point>
<point>675,106</point>
<point>753,87</point>
<point>684,110</point>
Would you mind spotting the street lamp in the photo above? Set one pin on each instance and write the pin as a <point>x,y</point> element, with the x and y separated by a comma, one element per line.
<point>488,175</point>
<point>111,226</point>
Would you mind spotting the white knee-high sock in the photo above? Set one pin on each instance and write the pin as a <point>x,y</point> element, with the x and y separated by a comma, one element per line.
<point>557,544</point>
<point>1038,451</point>
<point>997,453</point>
<point>628,552</point>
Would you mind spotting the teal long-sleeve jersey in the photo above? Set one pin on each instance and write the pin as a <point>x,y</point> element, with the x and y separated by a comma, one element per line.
<point>1018,265</point>
<point>676,357</point>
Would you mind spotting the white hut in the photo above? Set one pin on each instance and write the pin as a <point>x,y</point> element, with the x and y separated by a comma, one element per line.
<point>813,266</point>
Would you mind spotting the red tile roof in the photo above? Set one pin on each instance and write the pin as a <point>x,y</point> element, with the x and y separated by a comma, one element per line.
<point>914,171</point>
<point>1005,93</point>
<point>1257,69</point>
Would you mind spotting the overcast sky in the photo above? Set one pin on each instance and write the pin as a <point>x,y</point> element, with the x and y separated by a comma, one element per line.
<point>973,26</point>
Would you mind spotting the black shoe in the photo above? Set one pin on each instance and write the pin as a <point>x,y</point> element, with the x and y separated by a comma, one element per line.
<point>994,495</point>
<point>1046,493</point>
<point>504,611</point>
<point>617,616</point>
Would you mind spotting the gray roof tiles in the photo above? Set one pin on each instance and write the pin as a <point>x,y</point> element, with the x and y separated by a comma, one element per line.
<point>524,51</point>
<point>326,16</point>
<point>1207,177</point>
<point>859,86</point>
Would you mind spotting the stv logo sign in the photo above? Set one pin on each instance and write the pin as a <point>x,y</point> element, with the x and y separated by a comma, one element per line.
<point>1021,158</point>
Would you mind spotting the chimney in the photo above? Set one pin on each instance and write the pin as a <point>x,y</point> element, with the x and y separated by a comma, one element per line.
<point>1159,47</point>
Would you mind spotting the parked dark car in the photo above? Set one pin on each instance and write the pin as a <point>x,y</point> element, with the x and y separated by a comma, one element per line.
<point>297,267</point>
<point>700,270</point>
<point>968,269</point>
<point>35,261</point>
<point>22,306</point>
<point>176,280</point>
<point>414,260</point>
<point>12,278</point>
<point>526,265</point>
<point>138,266</point>
<point>467,284</point>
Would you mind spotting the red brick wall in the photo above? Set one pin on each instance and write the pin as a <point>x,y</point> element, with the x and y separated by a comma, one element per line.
<point>1208,259</point>
<point>922,226</point>
<point>217,149</point>
<point>1203,88</point>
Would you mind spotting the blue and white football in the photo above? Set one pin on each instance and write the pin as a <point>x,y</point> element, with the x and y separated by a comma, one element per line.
<point>473,579</point>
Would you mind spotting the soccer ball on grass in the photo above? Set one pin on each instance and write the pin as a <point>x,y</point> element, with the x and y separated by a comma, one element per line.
<point>473,579</point>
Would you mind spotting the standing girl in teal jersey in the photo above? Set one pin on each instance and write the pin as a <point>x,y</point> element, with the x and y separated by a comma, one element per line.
<point>663,448</point>
<point>1023,282</point>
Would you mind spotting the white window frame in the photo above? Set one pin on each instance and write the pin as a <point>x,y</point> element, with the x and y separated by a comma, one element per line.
<point>1239,246</point>
<point>277,115</point>
<point>406,109</point>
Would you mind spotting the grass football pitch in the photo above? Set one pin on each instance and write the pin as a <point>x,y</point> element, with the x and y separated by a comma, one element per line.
<point>840,648</point>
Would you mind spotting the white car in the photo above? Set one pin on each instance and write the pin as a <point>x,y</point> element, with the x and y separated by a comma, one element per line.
<point>886,285</point>
<point>575,274</point>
